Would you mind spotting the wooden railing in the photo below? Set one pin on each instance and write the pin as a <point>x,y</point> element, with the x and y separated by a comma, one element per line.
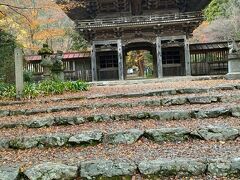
<point>150,19</point>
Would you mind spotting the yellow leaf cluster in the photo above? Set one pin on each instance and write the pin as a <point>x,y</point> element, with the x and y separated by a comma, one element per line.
<point>48,33</point>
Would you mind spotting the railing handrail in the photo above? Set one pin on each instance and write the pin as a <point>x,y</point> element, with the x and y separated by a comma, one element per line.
<point>138,19</point>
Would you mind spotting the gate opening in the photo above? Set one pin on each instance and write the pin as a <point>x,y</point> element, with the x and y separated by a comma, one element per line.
<point>139,64</point>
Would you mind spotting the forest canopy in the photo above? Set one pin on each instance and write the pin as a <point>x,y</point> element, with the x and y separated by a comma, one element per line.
<point>222,22</point>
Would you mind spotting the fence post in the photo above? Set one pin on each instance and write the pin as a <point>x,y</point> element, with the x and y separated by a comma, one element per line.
<point>19,72</point>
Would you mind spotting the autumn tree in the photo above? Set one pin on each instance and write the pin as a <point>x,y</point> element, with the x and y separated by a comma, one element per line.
<point>223,22</point>
<point>226,26</point>
<point>35,22</point>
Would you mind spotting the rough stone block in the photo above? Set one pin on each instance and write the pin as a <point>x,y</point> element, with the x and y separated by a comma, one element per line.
<point>235,111</point>
<point>86,138</point>
<point>168,134</point>
<point>123,137</point>
<point>49,171</point>
<point>107,169</point>
<point>24,142</point>
<point>212,133</point>
<point>167,167</point>
<point>54,140</point>
<point>170,115</point>
<point>38,123</point>
<point>219,168</point>
<point>9,173</point>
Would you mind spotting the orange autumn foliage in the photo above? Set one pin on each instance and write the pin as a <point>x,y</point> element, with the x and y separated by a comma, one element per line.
<point>199,34</point>
<point>33,22</point>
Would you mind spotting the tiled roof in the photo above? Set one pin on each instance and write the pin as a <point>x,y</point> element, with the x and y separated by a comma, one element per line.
<point>66,56</point>
<point>209,46</point>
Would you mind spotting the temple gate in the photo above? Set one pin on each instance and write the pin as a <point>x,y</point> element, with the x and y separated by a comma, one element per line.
<point>162,27</point>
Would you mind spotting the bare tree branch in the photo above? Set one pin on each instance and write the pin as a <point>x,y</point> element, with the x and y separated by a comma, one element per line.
<point>13,9</point>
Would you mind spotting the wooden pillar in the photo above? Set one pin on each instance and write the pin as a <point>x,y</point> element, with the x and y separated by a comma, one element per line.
<point>19,72</point>
<point>159,57</point>
<point>187,57</point>
<point>94,62</point>
<point>120,60</point>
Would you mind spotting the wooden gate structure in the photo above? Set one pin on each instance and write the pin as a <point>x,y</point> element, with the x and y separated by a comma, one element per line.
<point>205,59</point>
<point>161,26</point>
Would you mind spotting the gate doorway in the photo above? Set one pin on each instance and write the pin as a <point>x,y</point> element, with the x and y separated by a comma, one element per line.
<point>140,60</point>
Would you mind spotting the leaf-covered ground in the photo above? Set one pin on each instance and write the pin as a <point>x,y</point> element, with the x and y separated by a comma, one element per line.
<point>143,149</point>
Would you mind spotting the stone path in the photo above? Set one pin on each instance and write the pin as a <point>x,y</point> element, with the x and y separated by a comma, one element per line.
<point>174,132</point>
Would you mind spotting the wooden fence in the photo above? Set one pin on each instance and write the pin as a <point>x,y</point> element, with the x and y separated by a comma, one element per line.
<point>209,62</point>
<point>70,71</point>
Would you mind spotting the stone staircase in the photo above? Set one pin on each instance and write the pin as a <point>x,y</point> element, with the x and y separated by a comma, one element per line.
<point>187,130</point>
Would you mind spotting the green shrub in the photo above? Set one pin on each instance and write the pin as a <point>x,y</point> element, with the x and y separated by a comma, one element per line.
<point>28,76</point>
<point>52,87</point>
<point>81,86</point>
<point>76,86</point>
<point>7,90</point>
<point>31,90</point>
<point>44,88</point>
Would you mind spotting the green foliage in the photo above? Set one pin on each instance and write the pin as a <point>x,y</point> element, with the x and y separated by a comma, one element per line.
<point>51,87</point>
<point>77,86</point>
<point>7,90</point>
<point>7,45</point>
<point>44,88</point>
<point>31,90</point>
<point>78,42</point>
<point>28,76</point>
<point>216,9</point>
<point>148,59</point>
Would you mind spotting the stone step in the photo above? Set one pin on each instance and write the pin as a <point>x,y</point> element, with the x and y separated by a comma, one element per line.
<point>137,152</point>
<point>184,100</point>
<point>166,115</point>
<point>127,169</point>
<point>162,92</point>
<point>153,102</point>
<point>113,126</point>
<point>129,136</point>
